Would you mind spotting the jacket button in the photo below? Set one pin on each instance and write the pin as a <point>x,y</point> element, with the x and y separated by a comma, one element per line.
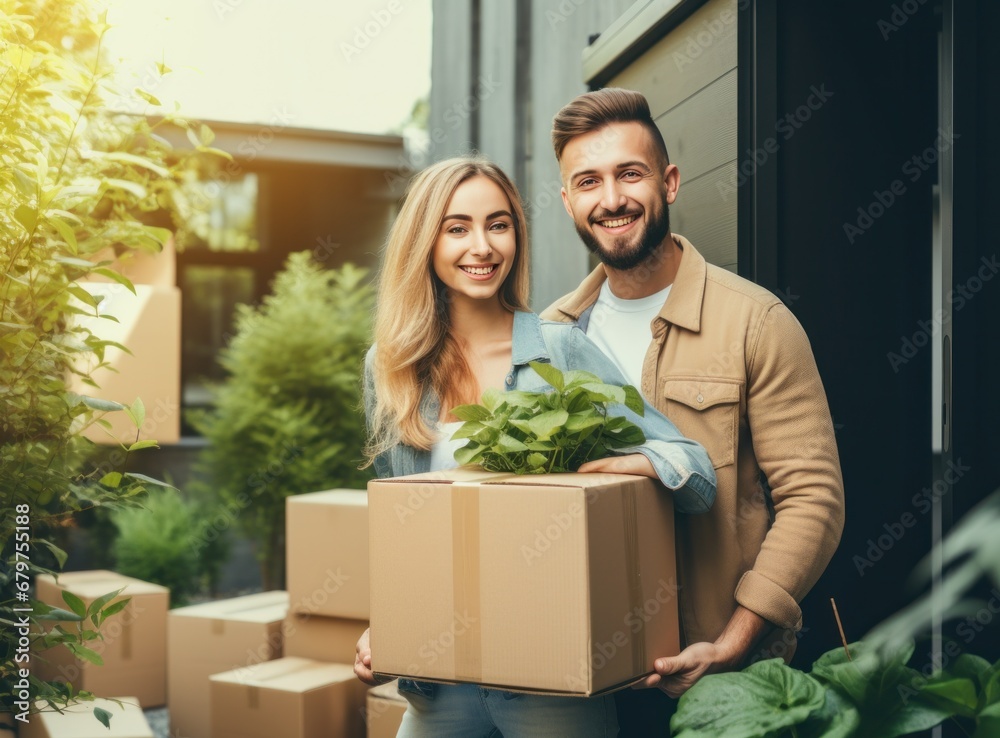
<point>701,398</point>
<point>509,380</point>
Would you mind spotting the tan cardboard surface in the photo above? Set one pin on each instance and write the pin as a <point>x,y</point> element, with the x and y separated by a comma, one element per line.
<point>552,583</point>
<point>327,553</point>
<point>291,698</point>
<point>134,649</point>
<point>384,712</point>
<point>78,721</point>
<point>215,637</point>
<point>322,638</point>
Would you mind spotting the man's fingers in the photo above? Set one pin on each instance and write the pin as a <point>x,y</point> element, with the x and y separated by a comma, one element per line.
<point>653,680</point>
<point>666,667</point>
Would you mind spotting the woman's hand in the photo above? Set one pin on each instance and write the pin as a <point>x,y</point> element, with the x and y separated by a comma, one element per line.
<point>631,464</point>
<point>363,661</point>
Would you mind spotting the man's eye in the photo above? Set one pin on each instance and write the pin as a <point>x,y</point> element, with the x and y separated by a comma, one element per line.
<point>586,182</point>
<point>631,174</point>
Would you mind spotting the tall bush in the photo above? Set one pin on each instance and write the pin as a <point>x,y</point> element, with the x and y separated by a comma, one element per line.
<point>286,419</point>
<point>75,178</point>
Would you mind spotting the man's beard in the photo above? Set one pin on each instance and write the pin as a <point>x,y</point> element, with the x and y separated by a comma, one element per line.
<point>622,258</point>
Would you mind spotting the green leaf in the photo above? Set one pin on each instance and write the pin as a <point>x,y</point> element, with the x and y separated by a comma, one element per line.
<point>27,216</point>
<point>471,412</point>
<point>759,701</point>
<point>112,479</point>
<point>956,695</point>
<point>85,653</point>
<point>138,412</point>
<point>104,716</point>
<point>600,392</point>
<point>468,454</point>
<point>147,97</point>
<point>139,445</point>
<point>549,373</point>
<point>544,425</point>
<point>491,399</point>
<point>24,184</point>
<point>67,232</point>
<point>509,445</point>
<point>57,552</point>
<point>988,722</point>
<point>133,188</point>
<point>577,378</point>
<point>150,480</point>
<point>633,400</point>
<point>96,403</point>
<point>583,421</point>
<point>537,460</point>
<point>59,615</point>
<point>75,603</point>
<point>101,601</point>
<point>115,276</point>
<point>114,608</point>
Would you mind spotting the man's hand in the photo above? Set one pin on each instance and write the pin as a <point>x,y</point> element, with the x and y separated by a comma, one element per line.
<point>363,661</point>
<point>676,675</point>
<point>632,464</point>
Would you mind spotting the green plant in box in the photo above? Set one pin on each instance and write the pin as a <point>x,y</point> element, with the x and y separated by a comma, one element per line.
<point>548,432</point>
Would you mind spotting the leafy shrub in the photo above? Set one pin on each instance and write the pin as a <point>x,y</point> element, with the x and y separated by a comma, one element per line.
<point>161,543</point>
<point>546,432</point>
<point>286,420</point>
<point>75,178</point>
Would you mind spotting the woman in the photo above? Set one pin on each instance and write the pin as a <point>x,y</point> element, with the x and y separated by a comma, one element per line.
<point>452,321</point>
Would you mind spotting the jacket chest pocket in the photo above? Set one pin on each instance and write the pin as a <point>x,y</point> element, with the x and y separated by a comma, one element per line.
<point>707,411</point>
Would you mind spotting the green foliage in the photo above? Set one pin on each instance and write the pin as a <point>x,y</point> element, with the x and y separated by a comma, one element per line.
<point>163,542</point>
<point>75,179</point>
<point>872,694</point>
<point>286,419</point>
<point>546,432</point>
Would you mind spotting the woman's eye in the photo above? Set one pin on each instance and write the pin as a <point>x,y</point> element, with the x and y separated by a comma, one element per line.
<point>456,229</point>
<point>499,226</point>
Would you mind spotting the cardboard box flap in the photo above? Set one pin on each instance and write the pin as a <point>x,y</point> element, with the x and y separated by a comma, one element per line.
<point>78,721</point>
<point>478,475</point>
<point>92,584</point>
<point>264,607</point>
<point>335,496</point>
<point>290,674</point>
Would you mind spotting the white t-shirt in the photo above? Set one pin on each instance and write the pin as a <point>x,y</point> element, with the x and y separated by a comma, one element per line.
<point>443,452</point>
<point>621,329</point>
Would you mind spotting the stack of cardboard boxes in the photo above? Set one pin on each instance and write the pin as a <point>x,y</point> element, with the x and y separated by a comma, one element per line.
<point>311,692</point>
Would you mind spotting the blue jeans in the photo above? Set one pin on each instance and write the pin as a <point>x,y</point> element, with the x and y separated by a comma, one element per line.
<point>469,711</point>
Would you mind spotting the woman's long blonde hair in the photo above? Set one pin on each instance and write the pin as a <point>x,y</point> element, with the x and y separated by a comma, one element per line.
<point>415,350</point>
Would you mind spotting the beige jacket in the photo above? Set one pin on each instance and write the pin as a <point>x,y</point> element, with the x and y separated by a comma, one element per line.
<point>730,365</point>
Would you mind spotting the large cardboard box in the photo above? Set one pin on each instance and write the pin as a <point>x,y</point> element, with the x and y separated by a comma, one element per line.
<point>78,721</point>
<point>384,713</point>
<point>289,697</point>
<point>327,553</point>
<point>134,648</point>
<point>561,584</point>
<point>321,638</point>
<point>214,637</point>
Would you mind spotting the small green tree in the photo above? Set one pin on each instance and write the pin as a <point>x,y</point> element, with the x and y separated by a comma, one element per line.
<point>75,178</point>
<point>286,420</point>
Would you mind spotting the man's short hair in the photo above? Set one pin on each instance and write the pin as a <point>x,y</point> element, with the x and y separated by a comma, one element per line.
<point>592,111</point>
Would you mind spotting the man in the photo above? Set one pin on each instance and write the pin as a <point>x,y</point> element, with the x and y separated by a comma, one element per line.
<point>730,365</point>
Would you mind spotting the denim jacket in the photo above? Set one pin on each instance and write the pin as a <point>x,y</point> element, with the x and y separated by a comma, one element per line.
<point>682,465</point>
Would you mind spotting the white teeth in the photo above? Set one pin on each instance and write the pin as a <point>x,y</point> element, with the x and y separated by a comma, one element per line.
<point>618,223</point>
<point>479,270</point>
